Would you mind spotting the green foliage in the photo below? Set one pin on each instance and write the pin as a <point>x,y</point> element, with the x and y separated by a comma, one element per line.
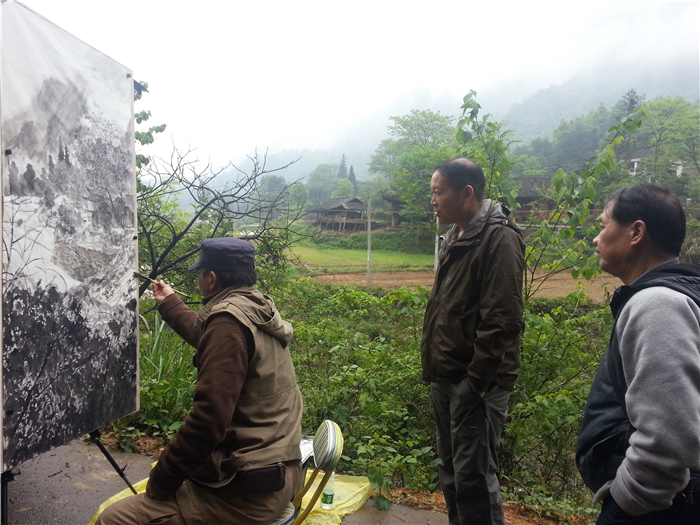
<point>561,349</point>
<point>148,136</point>
<point>572,197</point>
<point>298,195</point>
<point>378,481</point>
<point>356,355</point>
<point>407,161</point>
<point>345,190</point>
<point>272,258</point>
<point>322,182</point>
<point>487,143</point>
<point>668,146</point>
<point>671,141</point>
<point>272,186</point>
<point>167,384</point>
<point>358,363</point>
<point>690,252</point>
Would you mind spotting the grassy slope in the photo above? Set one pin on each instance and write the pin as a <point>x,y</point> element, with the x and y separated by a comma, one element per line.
<point>316,257</point>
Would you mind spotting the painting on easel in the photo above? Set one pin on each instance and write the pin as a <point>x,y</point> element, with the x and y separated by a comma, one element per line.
<point>69,301</point>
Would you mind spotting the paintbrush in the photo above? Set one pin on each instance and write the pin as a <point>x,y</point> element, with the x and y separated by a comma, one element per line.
<point>141,276</point>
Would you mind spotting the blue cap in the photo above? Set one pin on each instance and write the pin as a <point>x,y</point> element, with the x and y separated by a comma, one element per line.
<point>225,254</point>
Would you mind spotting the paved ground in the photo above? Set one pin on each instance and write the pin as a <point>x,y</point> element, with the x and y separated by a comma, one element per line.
<point>66,485</point>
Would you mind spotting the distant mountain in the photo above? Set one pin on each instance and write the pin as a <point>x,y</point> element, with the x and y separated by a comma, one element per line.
<point>539,114</point>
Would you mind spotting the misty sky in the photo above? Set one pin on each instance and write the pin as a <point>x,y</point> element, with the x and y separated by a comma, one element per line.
<point>228,77</point>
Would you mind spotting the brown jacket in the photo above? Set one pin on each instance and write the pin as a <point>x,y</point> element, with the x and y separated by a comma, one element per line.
<point>247,405</point>
<point>474,315</point>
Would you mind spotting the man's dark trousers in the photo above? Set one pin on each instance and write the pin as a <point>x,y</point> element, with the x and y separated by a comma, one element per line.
<point>684,511</point>
<point>468,436</point>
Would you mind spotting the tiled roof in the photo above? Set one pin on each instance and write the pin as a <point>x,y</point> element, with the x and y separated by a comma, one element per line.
<point>352,203</point>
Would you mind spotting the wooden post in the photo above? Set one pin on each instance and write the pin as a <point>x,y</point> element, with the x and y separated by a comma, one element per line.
<point>369,240</point>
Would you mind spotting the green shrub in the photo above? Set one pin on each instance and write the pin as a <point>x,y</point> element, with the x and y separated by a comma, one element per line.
<point>561,351</point>
<point>357,357</point>
<point>358,363</point>
<point>405,241</point>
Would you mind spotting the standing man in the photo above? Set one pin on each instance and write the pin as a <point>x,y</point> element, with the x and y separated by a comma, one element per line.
<point>236,457</point>
<point>471,339</point>
<point>639,444</point>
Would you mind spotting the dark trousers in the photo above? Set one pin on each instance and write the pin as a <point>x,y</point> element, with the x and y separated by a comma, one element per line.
<point>468,436</point>
<point>684,511</point>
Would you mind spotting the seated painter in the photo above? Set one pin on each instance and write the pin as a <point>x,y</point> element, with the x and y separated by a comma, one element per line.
<point>236,457</point>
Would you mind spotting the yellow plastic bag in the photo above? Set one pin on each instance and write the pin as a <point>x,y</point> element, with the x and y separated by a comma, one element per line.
<point>351,492</point>
<point>139,487</point>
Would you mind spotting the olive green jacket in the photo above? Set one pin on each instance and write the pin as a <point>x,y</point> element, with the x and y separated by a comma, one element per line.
<point>474,316</point>
<point>247,405</point>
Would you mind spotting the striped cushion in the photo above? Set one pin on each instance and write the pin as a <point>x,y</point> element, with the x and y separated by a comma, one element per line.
<point>286,517</point>
<point>328,446</point>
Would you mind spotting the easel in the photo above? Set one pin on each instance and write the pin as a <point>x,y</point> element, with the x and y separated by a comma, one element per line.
<point>95,436</point>
<point>6,478</point>
<point>12,473</point>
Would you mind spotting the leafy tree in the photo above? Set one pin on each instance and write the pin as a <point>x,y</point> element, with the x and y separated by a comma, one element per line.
<point>629,102</point>
<point>487,143</point>
<point>345,190</point>
<point>541,152</point>
<point>671,140</point>
<point>407,161</point>
<point>571,193</point>
<point>526,166</point>
<point>298,195</point>
<point>322,182</point>
<point>575,143</point>
<point>274,190</point>
<point>169,236</point>
<point>272,186</point>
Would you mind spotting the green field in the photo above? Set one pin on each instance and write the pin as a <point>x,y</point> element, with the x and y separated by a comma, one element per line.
<point>318,258</point>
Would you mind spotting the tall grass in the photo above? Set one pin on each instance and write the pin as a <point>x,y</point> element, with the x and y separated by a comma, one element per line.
<point>167,374</point>
<point>167,384</point>
<point>343,258</point>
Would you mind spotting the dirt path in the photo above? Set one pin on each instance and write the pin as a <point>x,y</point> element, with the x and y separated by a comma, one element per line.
<point>556,286</point>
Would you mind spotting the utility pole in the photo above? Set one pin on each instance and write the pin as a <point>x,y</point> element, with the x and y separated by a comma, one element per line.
<point>369,240</point>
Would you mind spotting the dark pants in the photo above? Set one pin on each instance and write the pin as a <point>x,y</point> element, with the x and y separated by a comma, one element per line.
<point>468,436</point>
<point>684,511</point>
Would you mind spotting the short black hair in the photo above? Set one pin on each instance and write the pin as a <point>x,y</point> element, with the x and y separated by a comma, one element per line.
<point>461,172</point>
<point>236,278</point>
<point>660,210</point>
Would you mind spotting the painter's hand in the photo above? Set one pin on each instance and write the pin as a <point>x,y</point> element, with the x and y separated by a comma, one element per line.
<point>151,494</point>
<point>161,291</point>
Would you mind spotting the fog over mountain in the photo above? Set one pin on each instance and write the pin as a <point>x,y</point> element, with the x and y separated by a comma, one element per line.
<point>536,111</point>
